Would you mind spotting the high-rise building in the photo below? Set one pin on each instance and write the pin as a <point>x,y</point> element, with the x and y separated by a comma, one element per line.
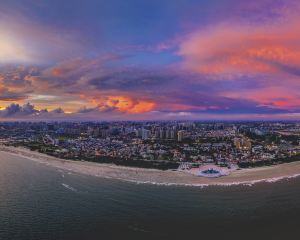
<point>145,134</point>
<point>172,134</point>
<point>156,134</point>
<point>168,134</point>
<point>90,131</point>
<point>180,135</point>
<point>161,134</point>
<point>96,132</point>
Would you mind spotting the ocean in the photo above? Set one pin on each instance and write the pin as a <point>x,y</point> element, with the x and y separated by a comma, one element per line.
<point>41,202</point>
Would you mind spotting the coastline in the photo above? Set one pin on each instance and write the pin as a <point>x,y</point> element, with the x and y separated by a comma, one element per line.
<point>159,177</point>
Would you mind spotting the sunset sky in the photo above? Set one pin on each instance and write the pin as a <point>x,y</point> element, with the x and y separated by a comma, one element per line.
<point>149,59</point>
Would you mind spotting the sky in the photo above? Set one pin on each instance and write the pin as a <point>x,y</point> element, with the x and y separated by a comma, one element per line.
<point>149,60</point>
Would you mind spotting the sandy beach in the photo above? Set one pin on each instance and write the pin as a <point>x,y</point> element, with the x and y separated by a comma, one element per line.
<point>152,176</point>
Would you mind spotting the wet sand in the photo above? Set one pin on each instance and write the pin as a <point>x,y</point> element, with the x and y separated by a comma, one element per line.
<point>153,176</point>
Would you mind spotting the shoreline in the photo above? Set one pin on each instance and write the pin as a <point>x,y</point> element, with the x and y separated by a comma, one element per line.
<point>160,177</point>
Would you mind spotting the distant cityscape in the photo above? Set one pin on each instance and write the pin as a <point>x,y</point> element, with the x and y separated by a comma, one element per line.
<point>160,145</point>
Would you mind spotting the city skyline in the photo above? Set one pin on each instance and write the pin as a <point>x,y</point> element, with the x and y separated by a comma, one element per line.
<point>149,60</point>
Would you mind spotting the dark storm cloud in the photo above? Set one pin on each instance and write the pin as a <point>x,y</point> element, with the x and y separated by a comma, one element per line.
<point>133,79</point>
<point>18,110</point>
<point>28,110</point>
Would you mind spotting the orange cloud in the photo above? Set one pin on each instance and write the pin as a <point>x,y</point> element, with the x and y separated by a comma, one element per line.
<point>57,72</point>
<point>129,105</point>
<point>142,106</point>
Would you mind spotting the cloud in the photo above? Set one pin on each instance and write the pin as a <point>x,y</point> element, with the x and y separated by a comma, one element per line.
<point>263,51</point>
<point>275,97</point>
<point>58,111</point>
<point>87,110</point>
<point>72,72</point>
<point>243,48</point>
<point>29,111</point>
<point>90,87</point>
<point>15,110</point>
<point>8,96</point>
<point>123,104</point>
<point>14,85</point>
<point>131,79</point>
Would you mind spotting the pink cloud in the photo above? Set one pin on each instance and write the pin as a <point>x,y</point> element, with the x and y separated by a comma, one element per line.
<point>243,48</point>
<point>269,52</point>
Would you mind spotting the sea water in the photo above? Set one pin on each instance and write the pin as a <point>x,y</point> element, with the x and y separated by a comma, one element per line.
<point>41,202</point>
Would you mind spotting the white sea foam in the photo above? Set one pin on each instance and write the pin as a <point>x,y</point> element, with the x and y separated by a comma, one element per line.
<point>203,185</point>
<point>69,187</point>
